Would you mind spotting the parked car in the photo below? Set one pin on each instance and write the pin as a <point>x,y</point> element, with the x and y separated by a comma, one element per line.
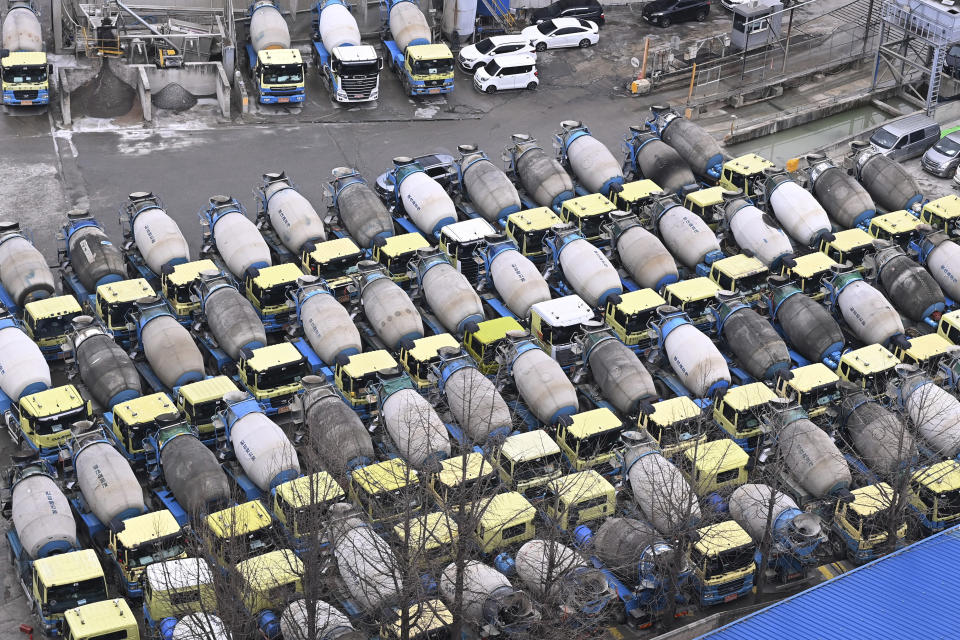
<point>512,71</point>
<point>474,56</point>
<point>907,137</point>
<point>943,158</point>
<point>663,13</point>
<point>583,9</point>
<point>562,32</point>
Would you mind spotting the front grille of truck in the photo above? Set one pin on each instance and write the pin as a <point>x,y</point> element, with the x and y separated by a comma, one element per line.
<point>25,95</point>
<point>433,83</point>
<point>731,587</point>
<point>284,92</point>
<point>359,86</point>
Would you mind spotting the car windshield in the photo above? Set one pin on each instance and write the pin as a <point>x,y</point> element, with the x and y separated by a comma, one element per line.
<point>492,68</point>
<point>545,27</point>
<point>25,74</point>
<point>484,45</point>
<point>68,596</point>
<point>282,74</point>
<point>883,139</point>
<point>948,147</point>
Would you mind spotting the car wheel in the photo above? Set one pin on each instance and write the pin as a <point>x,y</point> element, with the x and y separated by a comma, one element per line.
<point>584,43</point>
<point>541,46</point>
<point>701,15</point>
<point>664,22</point>
<point>532,85</point>
<point>491,89</point>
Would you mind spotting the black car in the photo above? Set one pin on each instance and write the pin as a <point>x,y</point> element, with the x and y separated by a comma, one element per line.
<point>583,9</point>
<point>665,12</point>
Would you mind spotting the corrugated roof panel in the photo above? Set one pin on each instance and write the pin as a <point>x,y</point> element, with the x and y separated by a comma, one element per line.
<point>913,593</point>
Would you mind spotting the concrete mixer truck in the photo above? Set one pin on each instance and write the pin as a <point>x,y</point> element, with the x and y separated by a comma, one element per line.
<point>277,70</point>
<point>23,63</point>
<point>423,68</point>
<point>87,258</point>
<point>349,69</point>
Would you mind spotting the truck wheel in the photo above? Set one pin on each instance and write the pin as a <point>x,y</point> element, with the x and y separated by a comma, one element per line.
<point>541,46</point>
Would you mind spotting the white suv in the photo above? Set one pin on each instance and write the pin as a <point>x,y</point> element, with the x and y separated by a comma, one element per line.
<point>512,71</point>
<point>475,56</point>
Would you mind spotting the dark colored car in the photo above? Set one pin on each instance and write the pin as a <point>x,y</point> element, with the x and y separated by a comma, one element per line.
<point>666,12</point>
<point>583,9</point>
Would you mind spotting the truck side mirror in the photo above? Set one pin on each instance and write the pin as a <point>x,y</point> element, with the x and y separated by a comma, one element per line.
<point>50,69</point>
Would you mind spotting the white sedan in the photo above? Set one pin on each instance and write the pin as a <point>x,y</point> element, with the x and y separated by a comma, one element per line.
<point>474,56</point>
<point>562,32</point>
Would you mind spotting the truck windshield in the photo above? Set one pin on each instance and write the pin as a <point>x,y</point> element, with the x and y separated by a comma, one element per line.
<point>25,75</point>
<point>432,67</point>
<point>948,504</point>
<point>240,547</point>
<point>67,596</point>
<point>155,551</point>
<point>202,412</point>
<point>56,423</point>
<point>598,444</point>
<point>281,375</point>
<point>282,74</point>
<point>359,68</point>
<point>52,327</point>
<point>728,561</point>
<point>530,469</point>
<point>398,501</point>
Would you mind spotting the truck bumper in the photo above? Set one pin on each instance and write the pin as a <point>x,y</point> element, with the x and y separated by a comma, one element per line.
<point>416,90</point>
<point>294,99</point>
<point>43,97</point>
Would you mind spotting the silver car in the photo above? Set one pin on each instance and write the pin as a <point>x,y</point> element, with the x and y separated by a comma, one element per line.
<point>906,137</point>
<point>943,158</point>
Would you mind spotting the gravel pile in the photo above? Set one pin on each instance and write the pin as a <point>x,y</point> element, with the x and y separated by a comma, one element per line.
<point>173,97</point>
<point>106,96</point>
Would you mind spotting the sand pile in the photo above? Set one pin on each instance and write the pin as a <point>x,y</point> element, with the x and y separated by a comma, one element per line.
<point>106,96</point>
<point>173,97</point>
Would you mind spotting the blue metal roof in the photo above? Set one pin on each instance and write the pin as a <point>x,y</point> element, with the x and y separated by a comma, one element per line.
<point>911,594</point>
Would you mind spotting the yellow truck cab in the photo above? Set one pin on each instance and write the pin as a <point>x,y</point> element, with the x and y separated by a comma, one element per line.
<point>330,259</point>
<point>115,300</point>
<point>270,580</point>
<point>64,581</point>
<point>579,498</point>
<point>481,341</point>
<point>300,505</point>
<point>463,479</point>
<point>527,461</point>
<point>42,420</point>
<point>868,367</point>
<point>848,245</point>
<point>745,173</point>
<point>200,401</point>
<point>104,620</point>
<point>418,356</point>
<point>527,228</point>
<point>808,273</point>
<point>47,322</point>
<point>949,326</point>
<point>136,419</point>
<point>693,297</point>
<point>554,323</point>
<point>508,520</point>
<point>429,539</point>
<point>722,561</point>
<point>814,387</point>
<point>238,532</point>
<point>714,466</point>
<point>926,351</point>
<point>176,286</point>
<point>354,374</point>
<point>943,214</point>
<point>272,374</point>
<point>430,66</point>
<point>459,241</point>
<point>587,214</point>
<point>386,491</point>
<point>633,197</point>
<point>738,412</point>
<point>744,275</point>
<point>708,204</point>
<point>176,588</point>
<point>897,227</point>
<point>427,620</point>
<point>676,424</point>
<point>25,76</point>
<point>266,289</point>
<point>281,71</point>
<point>395,252</point>
<point>860,523</point>
<point>137,542</point>
<point>934,494</point>
<point>628,314</point>
<point>590,439</point>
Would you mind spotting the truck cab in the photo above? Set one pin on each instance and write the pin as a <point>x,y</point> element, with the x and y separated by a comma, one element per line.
<point>176,287</point>
<point>395,252</point>
<point>949,326</point>
<point>527,229</point>
<point>26,78</point>
<point>272,375</point>
<point>482,340</point>
<point>554,325</point>
<point>869,368</point>
<point>176,588</point>
<point>628,313</point>
<point>238,532</point>
<point>898,227</point>
<point>528,461</point>
<point>934,494</point>
<point>738,411</point>
<point>708,204</point>
<point>278,76</point>
<point>267,583</point>
<point>590,439</point>
<point>926,352</point>
<point>114,301</point>
<point>61,582</point>
<point>424,68</point>
<point>300,505</point>
<point>579,498</point>
<point>332,260</point>
<point>717,466</point>
<point>42,420</point>
<point>508,520</point>
<point>694,297</point>
<point>419,356</point>
<point>427,620</point>
<point>744,275</point>
<point>587,214</point>
<point>386,491</point>
<point>47,323</point>
<point>354,374</point>
<point>943,214</point>
<point>745,173</point>
<point>634,196</point>
<point>104,620</point>
<point>848,245</point>
<point>429,539</point>
<point>463,479</point>
<point>267,288</point>
<point>808,273</point>
<point>815,387</point>
<point>860,523</point>
<point>676,424</point>
<point>131,421</point>
<point>723,562</point>
<point>460,240</point>
<point>135,543</point>
<point>200,401</point>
